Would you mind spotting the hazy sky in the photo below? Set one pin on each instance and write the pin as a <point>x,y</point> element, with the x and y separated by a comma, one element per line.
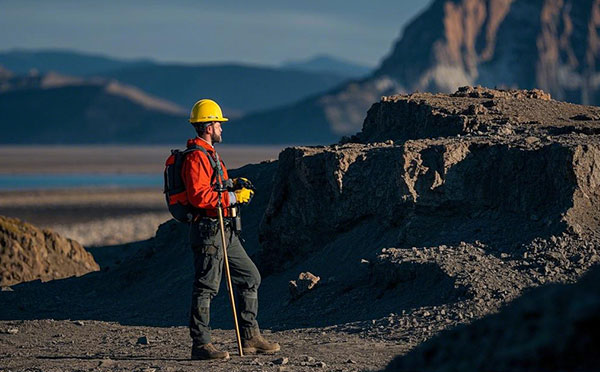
<point>257,31</point>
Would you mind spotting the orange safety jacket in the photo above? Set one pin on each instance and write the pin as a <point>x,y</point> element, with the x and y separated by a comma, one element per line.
<point>197,174</point>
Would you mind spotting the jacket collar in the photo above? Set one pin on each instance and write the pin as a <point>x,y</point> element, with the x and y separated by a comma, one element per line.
<point>200,142</point>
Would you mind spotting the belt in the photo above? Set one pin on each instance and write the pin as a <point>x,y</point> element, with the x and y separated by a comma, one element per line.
<point>227,221</point>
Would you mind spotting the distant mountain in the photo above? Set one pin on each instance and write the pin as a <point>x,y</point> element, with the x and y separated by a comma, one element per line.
<point>547,44</point>
<point>53,109</point>
<point>318,119</point>
<point>329,64</point>
<point>5,73</point>
<point>239,89</point>
<point>62,61</point>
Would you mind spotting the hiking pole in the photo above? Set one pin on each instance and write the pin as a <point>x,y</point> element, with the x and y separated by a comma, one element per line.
<point>219,188</point>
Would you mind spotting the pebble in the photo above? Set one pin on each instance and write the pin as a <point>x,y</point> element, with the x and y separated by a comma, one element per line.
<point>350,361</point>
<point>321,364</point>
<point>309,359</point>
<point>12,331</point>
<point>79,323</point>
<point>106,362</point>
<point>281,361</point>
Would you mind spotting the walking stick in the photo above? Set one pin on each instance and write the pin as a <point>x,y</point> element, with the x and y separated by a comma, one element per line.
<point>219,188</point>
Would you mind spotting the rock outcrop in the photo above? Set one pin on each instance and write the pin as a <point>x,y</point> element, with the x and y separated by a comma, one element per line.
<point>501,159</point>
<point>475,196</point>
<point>28,253</point>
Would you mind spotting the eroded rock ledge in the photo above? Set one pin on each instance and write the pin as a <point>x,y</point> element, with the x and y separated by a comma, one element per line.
<point>502,167</point>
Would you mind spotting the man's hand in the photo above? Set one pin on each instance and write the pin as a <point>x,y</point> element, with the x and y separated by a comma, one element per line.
<point>243,195</point>
<point>241,182</point>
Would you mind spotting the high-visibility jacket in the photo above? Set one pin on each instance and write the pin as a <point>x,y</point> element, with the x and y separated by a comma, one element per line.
<point>197,174</point>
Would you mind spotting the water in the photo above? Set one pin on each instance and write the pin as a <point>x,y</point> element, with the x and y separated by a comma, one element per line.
<point>55,181</point>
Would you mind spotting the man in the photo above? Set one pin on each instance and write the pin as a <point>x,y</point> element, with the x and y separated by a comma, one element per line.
<point>200,178</point>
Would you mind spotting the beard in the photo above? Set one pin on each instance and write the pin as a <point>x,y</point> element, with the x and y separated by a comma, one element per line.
<point>216,138</point>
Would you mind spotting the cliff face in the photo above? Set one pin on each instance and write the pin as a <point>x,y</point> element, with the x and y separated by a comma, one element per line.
<point>548,44</point>
<point>441,49</point>
<point>28,253</point>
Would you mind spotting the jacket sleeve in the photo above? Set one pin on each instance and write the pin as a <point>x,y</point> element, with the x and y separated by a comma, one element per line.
<point>197,176</point>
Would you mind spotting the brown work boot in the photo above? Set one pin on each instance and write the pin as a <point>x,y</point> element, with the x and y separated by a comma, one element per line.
<point>208,351</point>
<point>254,342</point>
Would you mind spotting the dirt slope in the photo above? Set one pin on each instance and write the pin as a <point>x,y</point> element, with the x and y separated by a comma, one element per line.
<point>28,253</point>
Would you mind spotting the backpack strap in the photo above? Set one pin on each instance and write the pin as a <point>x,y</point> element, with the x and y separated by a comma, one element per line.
<point>215,162</point>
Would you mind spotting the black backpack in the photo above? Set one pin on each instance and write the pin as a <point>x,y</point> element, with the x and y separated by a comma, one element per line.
<point>174,188</point>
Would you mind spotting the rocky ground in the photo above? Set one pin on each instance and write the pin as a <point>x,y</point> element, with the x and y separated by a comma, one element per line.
<point>551,328</point>
<point>444,210</point>
<point>49,345</point>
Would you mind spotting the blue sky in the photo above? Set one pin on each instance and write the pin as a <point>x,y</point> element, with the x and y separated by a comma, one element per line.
<point>257,32</point>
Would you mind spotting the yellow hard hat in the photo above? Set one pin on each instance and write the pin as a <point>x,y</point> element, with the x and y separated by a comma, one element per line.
<point>206,110</point>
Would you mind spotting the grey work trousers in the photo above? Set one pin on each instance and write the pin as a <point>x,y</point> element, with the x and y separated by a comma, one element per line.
<point>205,239</point>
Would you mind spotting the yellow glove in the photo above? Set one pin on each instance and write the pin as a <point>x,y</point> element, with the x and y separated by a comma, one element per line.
<point>242,182</point>
<point>243,195</point>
